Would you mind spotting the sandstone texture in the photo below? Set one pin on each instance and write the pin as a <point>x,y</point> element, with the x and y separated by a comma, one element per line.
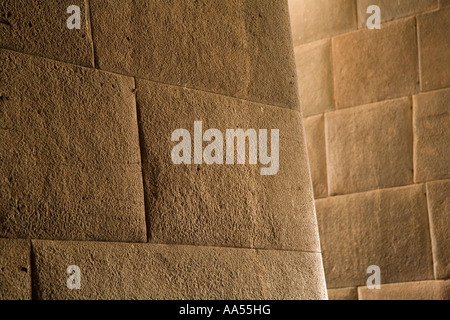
<point>15,272</point>
<point>369,147</point>
<point>376,65</point>
<point>39,28</point>
<point>432,136</point>
<point>315,80</point>
<point>343,294</point>
<point>434,32</point>
<point>223,205</point>
<point>239,48</point>
<point>439,212</point>
<point>69,153</point>
<point>421,290</point>
<point>318,19</point>
<point>147,271</point>
<point>391,10</point>
<point>387,228</point>
<point>315,137</point>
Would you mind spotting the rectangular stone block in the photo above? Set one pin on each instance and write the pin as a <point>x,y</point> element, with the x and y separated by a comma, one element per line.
<point>432,136</point>
<point>315,140</point>
<point>15,273</point>
<point>434,32</point>
<point>147,271</point>
<point>387,228</point>
<point>421,290</point>
<point>223,204</point>
<point>69,153</point>
<point>391,10</point>
<point>239,48</point>
<point>369,147</point>
<point>343,294</point>
<point>315,78</point>
<point>39,28</point>
<point>439,212</point>
<point>376,65</point>
<point>318,19</point>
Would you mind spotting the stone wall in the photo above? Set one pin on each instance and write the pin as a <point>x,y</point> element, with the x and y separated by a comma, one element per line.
<point>376,106</point>
<point>86,118</point>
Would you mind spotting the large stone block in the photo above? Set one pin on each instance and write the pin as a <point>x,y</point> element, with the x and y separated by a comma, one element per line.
<point>39,28</point>
<point>434,32</point>
<point>318,19</point>
<point>420,290</point>
<point>315,140</point>
<point>69,153</point>
<point>147,271</point>
<point>315,78</point>
<point>439,212</point>
<point>387,228</point>
<point>219,204</point>
<point>369,147</point>
<point>15,273</point>
<point>432,136</point>
<point>445,3</point>
<point>343,294</point>
<point>375,65</point>
<point>239,48</point>
<point>391,10</point>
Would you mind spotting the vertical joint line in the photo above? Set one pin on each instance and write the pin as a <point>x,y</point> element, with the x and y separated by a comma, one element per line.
<point>91,28</point>
<point>143,160</point>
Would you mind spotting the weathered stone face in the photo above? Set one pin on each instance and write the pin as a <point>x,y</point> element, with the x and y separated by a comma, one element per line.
<point>86,123</point>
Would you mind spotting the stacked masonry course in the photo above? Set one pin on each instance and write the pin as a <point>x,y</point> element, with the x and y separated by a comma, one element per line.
<point>86,178</point>
<point>376,106</point>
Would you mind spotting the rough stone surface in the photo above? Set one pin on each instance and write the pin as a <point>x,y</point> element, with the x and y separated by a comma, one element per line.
<point>445,3</point>
<point>432,136</point>
<point>315,140</point>
<point>315,79</point>
<point>421,290</point>
<point>375,65</point>
<point>69,153</point>
<point>387,228</point>
<point>318,19</point>
<point>434,32</point>
<point>369,147</point>
<point>223,205</point>
<point>147,271</point>
<point>439,212</point>
<point>39,28</point>
<point>343,294</point>
<point>239,48</point>
<point>15,273</point>
<point>391,10</point>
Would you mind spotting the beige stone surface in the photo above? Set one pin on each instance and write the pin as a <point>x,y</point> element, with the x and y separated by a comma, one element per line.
<point>315,78</point>
<point>15,272</point>
<point>223,205</point>
<point>318,19</point>
<point>69,153</point>
<point>39,28</point>
<point>369,147</point>
<point>315,140</point>
<point>391,10</point>
<point>375,65</point>
<point>421,290</point>
<point>387,228</point>
<point>241,48</point>
<point>147,271</point>
<point>432,136</point>
<point>343,294</point>
<point>439,212</point>
<point>434,32</point>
